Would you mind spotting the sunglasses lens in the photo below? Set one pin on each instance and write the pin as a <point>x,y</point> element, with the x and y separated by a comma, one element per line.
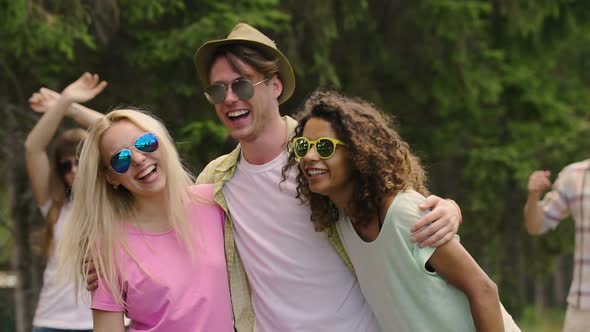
<point>243,89</point>
<point>147,142</point>
<point>121,161</point>
<point>66,166</point>
<point>216,93</point>
<point>300,147</point>
<point>325,148</point>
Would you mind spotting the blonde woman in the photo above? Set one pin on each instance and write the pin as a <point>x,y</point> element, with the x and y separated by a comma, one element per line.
<point>155,240</point>
<point>51,179</point>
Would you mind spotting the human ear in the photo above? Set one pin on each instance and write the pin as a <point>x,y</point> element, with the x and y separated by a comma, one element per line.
<point>111,178</point>
<point>277,86</point>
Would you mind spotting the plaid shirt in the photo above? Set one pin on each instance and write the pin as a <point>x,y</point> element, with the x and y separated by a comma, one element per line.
<point>219,171</point>
<point>571,196</point>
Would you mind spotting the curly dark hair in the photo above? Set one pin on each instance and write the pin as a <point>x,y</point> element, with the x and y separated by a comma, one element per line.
<point>382,162</point>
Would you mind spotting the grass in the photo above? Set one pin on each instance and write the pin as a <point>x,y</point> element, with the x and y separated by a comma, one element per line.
<point>546,320</point>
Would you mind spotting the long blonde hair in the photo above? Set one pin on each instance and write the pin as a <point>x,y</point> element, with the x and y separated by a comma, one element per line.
<point>96,225</point>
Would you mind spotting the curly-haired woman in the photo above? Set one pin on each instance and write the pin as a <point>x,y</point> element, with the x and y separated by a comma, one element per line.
<point>358,173</point>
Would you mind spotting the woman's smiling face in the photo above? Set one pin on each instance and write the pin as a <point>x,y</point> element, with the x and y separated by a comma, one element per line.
<point>329,177</point>
<point>144,177</point>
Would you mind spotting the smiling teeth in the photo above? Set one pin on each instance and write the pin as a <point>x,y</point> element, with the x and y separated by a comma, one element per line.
<point>236,113</point>
<point>147,171</point>
<point>316,172</point>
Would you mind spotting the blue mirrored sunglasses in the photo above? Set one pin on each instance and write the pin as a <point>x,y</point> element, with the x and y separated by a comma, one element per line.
<point>121,161</point>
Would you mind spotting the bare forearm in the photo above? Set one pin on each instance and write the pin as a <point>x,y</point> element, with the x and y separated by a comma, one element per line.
<point>533,214</point>
<point>41,134</point>
<point>83,116</point>
<point>455,265</point>
<point>485,309</point>
<point>105,321</point>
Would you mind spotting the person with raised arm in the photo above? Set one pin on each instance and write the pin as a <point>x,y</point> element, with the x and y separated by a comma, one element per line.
<point>51,176</point>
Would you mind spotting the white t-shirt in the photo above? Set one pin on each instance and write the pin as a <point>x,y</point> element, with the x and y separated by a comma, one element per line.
<point>298,281</point>
<point>57,307</point>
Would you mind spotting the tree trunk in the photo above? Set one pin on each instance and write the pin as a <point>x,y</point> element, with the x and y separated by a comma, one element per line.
<point>559,283</point>
<point>27,270</point>
<point>539,295</point>
<point>523,281</point>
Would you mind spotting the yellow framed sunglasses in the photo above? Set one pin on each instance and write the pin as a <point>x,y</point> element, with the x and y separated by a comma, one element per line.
<point>324,146</point>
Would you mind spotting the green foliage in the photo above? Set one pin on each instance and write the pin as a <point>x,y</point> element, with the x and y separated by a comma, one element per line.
<point>187,26</point>
<point>547,320</point>
<point>485,91</point>
<point>201,142</point>
<point>28,27</point>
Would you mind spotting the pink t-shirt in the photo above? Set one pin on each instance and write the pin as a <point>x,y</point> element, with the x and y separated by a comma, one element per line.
<point>179,294</point>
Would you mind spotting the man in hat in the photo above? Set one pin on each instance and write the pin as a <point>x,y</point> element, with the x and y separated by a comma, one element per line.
<point>283,275</point>
<point>570,196</point>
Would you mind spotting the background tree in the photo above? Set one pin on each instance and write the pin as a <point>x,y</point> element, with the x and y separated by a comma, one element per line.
<point>485,90</point>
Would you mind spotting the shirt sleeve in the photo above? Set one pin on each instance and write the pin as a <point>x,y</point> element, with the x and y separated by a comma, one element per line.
<point>555,203</point>
<point>102,299</point>
<point>407,211</point>
<point>421,255</point>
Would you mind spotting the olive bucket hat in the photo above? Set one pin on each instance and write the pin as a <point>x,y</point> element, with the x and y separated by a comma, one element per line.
<point>245,34</point>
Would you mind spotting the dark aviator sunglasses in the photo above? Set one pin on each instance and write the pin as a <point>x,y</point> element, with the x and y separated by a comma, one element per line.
<point>66,166</point>
<point>242,87</point>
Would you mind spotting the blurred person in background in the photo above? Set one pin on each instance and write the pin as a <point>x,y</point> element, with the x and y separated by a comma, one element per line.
<point>569,196</point>
<point>51,179</point>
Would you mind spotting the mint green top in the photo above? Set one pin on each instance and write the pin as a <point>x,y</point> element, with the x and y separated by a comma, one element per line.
<point>391,271</point>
